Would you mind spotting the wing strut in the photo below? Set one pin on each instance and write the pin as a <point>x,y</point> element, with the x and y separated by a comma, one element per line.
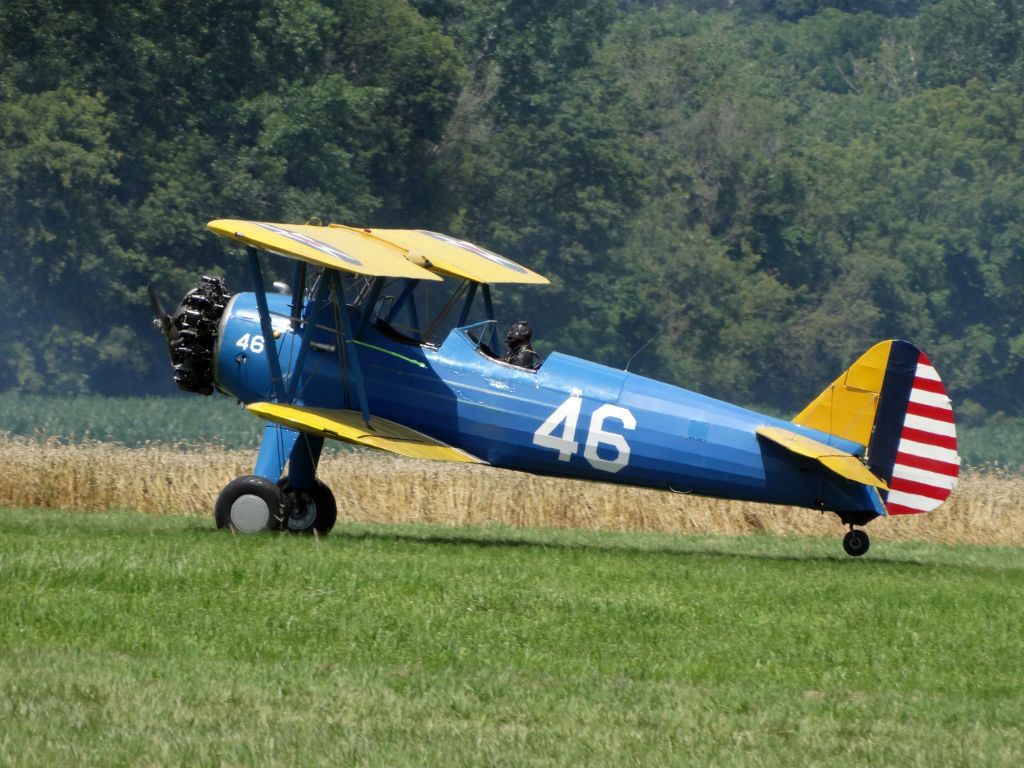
<point>488,304</point>
<point>322,296</point>
<point>351,355</point>
<point>406,301</point>
<point>464,315</point>
<point>298,292</point>
<point>276,380</point>
<point>445,311</point>
<point>369,304</point>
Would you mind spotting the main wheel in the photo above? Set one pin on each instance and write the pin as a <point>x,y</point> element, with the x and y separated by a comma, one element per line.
<point>249,504</point>
<point>856,543</point>
<point>310,510</point>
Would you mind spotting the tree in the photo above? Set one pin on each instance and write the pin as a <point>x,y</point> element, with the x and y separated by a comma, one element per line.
<point>153,119</point>
<point>56,182</point>
<point>964,39</point>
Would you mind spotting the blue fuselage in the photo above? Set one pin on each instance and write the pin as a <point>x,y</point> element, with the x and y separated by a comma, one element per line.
<point>570,418</point>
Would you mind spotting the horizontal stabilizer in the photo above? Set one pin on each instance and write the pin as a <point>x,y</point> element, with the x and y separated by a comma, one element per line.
<point>349,427</point>
<point>840,462</point>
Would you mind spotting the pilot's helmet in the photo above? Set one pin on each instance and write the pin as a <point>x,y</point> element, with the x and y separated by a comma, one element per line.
<point>519,333</point>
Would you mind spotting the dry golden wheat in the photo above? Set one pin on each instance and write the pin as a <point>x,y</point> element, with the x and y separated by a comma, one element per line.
<point>376,487</point>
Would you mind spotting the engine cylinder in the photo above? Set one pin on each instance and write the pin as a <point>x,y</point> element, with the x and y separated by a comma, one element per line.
<point>194,334</point>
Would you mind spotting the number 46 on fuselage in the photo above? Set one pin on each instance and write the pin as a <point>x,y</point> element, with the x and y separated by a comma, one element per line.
<point>388,339</point>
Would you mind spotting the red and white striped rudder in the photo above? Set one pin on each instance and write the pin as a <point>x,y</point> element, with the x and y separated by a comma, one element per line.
<point>926,464</point>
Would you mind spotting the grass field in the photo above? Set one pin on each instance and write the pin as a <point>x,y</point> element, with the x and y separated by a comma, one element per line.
<point>138,640</point>
<point>463,615</point>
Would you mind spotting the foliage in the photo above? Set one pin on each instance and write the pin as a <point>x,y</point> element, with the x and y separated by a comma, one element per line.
<point>766,187</point>
<point>998,442</point>
<point>128,125</point>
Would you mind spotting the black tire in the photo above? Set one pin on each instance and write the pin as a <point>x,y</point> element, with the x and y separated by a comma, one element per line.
<point>249,504</point>
<point>856,543</point>
<point>310,510</point>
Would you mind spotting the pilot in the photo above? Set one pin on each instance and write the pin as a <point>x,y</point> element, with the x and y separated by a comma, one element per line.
<point>519,350</point>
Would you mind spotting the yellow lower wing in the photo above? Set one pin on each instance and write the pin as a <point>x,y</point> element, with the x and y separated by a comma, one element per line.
<point>842,463</point>
<point>349,427</point>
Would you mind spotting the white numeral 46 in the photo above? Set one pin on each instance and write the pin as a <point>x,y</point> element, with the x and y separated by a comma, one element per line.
<point>253,343</point>
<point>567,416</point>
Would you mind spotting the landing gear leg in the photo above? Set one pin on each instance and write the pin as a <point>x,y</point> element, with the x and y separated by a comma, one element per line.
<point>309,504</point>
<point>856,542</point>
<point>299,502</point>
<point>312,510</point>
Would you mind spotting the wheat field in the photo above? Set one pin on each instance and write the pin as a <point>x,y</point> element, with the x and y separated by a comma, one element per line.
<point>380,488</point>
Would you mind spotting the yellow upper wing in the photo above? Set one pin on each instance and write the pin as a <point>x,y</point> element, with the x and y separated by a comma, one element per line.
<point>331,247</point>
<point>413,253</point>
<point>842,463</point>
<point>349,427</point>
<point>451,256</point>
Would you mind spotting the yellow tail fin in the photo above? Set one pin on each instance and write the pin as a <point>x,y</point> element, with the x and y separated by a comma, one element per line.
<point>847,407</point>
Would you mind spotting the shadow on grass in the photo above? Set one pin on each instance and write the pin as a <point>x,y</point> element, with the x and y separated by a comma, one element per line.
<point>630,544</point>
<point>753,547</point>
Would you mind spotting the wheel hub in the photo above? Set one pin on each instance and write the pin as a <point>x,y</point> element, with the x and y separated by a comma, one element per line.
<point>302,513</point>
<point>250,514</point>
<point>856,543</point>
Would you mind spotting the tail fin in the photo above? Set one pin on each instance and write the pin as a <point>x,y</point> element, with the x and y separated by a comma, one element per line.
<point>892,401</point>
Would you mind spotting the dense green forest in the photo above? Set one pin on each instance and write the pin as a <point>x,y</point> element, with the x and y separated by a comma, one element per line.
<point>764,187</point>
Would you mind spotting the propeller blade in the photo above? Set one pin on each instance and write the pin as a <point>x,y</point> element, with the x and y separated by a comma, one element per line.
<point>160,318</point>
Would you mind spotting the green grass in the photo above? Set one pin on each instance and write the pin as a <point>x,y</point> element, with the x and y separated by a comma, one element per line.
<point>130,640</point>
<point>131,421</point>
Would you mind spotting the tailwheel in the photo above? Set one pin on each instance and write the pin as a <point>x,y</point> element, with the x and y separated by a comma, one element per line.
<point>249,504</point>
<point>309,510</point>
<point>856,542</point>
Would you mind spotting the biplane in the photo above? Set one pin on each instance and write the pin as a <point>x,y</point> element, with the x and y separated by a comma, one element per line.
<point>388,338</point>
